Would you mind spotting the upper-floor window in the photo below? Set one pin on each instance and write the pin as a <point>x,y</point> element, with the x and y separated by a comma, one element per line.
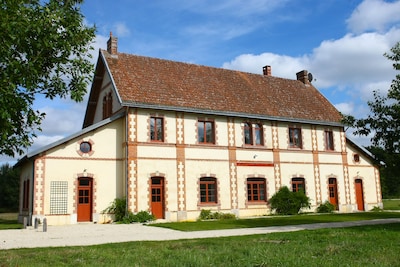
<point>298,185</point>
<point>206,132</point>
<point>295,137</point>
<point>256,190</point>
<point>157,129</point>
<point>208,190</point>
<point>107,105</point>
<point>329,140</point>
<point>253,134</point>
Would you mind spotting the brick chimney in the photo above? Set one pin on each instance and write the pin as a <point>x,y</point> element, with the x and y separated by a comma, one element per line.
<point>267,70</point>
<point>303,76</point>
<point>112,45</point>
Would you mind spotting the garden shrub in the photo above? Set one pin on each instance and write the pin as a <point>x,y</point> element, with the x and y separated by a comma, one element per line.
<point>286,202</point>
<point>326,207</point>
<point>208,215</point>
<point>118,208</point>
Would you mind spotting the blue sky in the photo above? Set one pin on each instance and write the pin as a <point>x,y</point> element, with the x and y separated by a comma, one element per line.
<point>341,42</point>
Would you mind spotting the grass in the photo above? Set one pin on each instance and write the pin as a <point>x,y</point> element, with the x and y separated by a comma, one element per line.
<point>375,245</point>
<point>9,221</point>
<point>276,221</point>
<point>391,204</point>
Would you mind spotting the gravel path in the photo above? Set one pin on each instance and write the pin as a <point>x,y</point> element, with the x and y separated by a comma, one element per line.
<point>92,234</point>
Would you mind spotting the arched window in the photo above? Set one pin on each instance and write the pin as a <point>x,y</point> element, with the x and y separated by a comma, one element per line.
<point>256,190</point>
<point>208,190</point>
<point>298,185</point>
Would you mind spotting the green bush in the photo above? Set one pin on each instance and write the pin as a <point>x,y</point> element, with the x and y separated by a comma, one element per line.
<point>118,208</point>
<point>143,216</point>
<point>286,202</point>
<point>208,215</point>
<point>326,207</point>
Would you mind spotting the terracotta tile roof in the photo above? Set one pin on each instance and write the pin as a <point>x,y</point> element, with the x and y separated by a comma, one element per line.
<point>151,81</point>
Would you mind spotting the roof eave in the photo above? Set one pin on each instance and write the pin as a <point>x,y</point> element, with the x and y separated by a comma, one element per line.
<point>230,114</point>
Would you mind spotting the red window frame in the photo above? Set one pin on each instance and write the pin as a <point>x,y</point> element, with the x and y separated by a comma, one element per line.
<point>295,137</point>
<point>208,190</point>
<point>157,129</point>
<point>329,145</point>
<point>256,190</point>
<point>206,132</point>
<point>253,134</point>
<point>298,184</point>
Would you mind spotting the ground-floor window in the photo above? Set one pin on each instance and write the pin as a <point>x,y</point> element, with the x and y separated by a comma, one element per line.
<point>256,190</point>
<point>208,190</point>
<point>298,185</point>
<point>58,197</point>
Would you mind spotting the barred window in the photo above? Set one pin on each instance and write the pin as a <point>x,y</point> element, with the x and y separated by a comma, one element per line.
<point>58,197</point>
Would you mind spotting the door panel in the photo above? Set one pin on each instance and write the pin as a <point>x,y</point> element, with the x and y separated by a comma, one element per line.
<point>85,199</point>
<point>333,195</point>
<point>157,197</point>
<point>359,194</point>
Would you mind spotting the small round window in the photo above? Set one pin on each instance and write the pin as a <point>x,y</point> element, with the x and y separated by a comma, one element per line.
<point>85,147</point>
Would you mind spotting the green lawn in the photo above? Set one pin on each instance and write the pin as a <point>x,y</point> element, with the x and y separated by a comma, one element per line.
<point>277,220</point>
<point>9,221</point>
<point>376,245</point>
<point>391,204</point>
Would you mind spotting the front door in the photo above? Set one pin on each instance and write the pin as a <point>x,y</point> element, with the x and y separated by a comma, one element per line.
<point>85,199</point>
<point>359,194</point>
<point>157,197</point>
<point>333,196</point>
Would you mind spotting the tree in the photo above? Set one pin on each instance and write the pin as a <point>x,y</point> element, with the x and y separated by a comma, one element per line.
<point>384,123</point>
<point>44,50</point>
<point>9,188</point>
<point>286,202</point>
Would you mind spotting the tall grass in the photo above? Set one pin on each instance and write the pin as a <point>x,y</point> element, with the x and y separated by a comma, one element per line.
<point>376,245</point>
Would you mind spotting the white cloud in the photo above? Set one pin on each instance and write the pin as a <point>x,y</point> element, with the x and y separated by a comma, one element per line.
<point>121,29</point>
<point>282,66</point>
<point>345,108</point>
<point>375,15</point>
<point>354,65</point>
<point>354,59</point>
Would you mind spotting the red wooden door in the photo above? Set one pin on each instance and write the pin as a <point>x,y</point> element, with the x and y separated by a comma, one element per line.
<point>333,196</point>
<point>157,197</point>
<point>359,194</point>
<point>85,199</point>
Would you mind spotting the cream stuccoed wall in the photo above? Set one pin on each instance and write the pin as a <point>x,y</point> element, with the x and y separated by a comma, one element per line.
<point>64,163</point>
<point>182,166</point>
<point>312,162</point>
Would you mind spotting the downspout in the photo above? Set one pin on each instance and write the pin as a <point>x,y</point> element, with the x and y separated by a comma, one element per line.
<point>126,160</point>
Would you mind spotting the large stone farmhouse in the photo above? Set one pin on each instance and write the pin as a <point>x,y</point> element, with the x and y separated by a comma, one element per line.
<point>175,138</point>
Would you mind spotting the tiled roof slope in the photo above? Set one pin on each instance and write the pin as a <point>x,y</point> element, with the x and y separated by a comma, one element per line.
<point>150,81</point>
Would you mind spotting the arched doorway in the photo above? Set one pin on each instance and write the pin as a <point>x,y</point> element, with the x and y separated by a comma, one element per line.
<point>359,194</point>
<point>333,195</point>
<point>157,197</point>
<point>85,199</point>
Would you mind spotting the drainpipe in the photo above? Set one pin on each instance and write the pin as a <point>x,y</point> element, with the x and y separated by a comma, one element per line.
<point>126,160</point>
